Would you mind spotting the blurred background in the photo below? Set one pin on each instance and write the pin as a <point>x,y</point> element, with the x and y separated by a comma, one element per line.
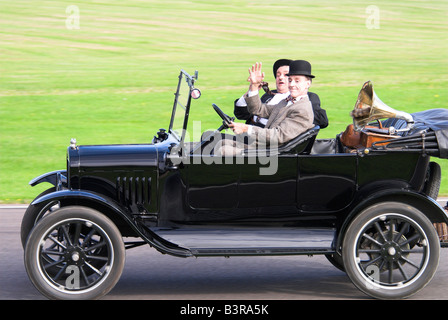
<point>105,71</point>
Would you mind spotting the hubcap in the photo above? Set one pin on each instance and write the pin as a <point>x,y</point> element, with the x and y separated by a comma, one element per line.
<point>391,251</point>
<point>75,256</point>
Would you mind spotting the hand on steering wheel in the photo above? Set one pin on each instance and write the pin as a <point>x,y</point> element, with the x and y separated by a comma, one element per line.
<point>238,127</point>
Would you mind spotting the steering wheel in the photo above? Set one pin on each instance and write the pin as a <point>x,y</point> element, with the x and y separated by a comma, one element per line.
<point>226,120</point>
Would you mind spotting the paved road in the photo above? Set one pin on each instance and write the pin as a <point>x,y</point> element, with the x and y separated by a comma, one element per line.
<point>149,275</point>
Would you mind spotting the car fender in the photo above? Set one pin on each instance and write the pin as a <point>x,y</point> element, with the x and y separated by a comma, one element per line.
<point>428,206</point>
<point>58,178</point>
<point>112,209</point>
<point>81,194</point>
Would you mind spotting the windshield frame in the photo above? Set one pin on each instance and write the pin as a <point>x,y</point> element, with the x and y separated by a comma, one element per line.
<point>181,109</point>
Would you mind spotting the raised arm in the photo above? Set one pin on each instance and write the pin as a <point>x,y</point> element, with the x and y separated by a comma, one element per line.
<point>256,77</point>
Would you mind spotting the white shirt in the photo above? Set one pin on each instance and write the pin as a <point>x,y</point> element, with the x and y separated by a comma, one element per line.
<point>275,100</point>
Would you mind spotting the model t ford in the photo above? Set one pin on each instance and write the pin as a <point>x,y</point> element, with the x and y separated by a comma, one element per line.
<point>364,199</point>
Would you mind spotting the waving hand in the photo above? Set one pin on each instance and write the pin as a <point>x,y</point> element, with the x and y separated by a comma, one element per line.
<point>256,77</point>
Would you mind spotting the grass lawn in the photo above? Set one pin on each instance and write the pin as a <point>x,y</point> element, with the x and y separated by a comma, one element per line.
<point>112,79</point>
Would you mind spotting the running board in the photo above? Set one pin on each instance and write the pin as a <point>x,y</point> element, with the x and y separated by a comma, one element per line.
<point>227,252</point>
<point>250,241</point>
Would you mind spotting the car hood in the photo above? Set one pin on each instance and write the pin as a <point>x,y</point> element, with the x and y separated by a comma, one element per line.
<point>101,156</point>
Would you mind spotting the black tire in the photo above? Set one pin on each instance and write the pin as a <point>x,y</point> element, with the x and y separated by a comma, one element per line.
<point>433,180</point>
<point>74,253</point>
<point>34,213</point>
<point>391,251</point>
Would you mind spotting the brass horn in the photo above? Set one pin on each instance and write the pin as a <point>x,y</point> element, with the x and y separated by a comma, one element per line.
<point>369,107</point>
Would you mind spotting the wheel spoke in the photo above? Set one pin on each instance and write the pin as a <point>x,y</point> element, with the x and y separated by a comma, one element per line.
<point>77,233</point>
<point>54,263</point>
<point>95,246</point>
<point>88,237</point>
<point>382,265</point>
<point>414,250</point>
<point>367,263</point>
<point>84,276</point>
<point>53,253</point>
<point>390,272</point>
<point>369,250</point>
<point>391,230</point>
<point>403,272</point>
<point>410,262</point>
<point>403,228</point>
<point>57,242</point>
<point>380,231</point>
<point>97,258</point>
<point>93,268</point>
<point>411,239</point>
<point>66,235</point>
<point>62,271</point>
<point>365,235</point>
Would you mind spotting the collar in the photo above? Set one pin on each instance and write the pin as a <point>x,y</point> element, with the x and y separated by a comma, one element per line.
<point>293,100</point>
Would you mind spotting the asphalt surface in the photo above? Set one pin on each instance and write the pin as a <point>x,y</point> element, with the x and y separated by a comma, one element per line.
<point>149,275</point>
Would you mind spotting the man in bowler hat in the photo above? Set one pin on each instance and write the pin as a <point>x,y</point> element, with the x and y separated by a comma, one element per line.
<point>286,120</point>
<point>280,70</point>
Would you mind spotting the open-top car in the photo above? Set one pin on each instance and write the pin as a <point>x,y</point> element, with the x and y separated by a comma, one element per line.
<point>365,200</point>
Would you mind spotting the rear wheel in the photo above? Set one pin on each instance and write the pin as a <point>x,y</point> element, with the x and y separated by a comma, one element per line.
<point>433,180</point>
<point>391,251</point>
<point>74,253</point>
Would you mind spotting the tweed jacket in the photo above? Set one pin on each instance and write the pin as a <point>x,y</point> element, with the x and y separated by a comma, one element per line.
<point>320,115</point>
<point>284,122</point>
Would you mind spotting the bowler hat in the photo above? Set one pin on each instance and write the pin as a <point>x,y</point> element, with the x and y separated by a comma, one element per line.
<point>279,63</point>
<point>300,67</point>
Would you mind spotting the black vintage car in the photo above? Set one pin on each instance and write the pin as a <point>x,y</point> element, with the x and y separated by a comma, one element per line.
<point>364,199</point>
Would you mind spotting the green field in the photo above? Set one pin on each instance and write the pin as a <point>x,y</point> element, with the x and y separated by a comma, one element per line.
<point>112,79</point>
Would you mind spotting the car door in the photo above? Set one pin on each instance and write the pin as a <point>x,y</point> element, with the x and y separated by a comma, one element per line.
<point>327,182</point>
<point>268,181</point>
<point>212,184</point>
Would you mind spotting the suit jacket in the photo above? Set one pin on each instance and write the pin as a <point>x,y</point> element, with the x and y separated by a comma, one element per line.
<point>284,122</point>
<point>320,115</point>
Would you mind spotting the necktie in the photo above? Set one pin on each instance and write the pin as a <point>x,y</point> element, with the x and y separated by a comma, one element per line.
<point>290,99</point>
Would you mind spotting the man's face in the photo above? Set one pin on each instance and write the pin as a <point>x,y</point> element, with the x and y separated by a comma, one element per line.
<point>298,85</point>
<point>281,79</point>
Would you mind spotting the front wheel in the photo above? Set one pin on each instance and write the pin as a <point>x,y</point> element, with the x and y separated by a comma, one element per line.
<point>74,253</point>
<point>391,251</point>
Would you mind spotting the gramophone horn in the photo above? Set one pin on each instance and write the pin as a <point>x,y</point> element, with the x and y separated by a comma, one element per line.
<point>369,107</point>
